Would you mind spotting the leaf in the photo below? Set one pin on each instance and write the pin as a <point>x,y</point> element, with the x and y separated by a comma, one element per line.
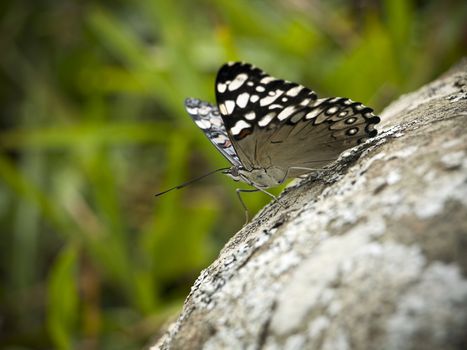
<point>62,308</point>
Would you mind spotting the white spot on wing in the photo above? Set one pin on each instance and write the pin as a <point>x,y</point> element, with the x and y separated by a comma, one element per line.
<point>332,110</point>
<point>204,110</point>
<point>242,99</point>
<point>223,109</point>
<point>305,102</point>
<point>238,81</point>
<point>254,98</point>
<point>220,139</point>
<point>266,119</point>
<point>203,124</point>
<point>266,80</point>
<point>318,102</point>
<point>275,105</point>
<point>270,99</point>
<point>229,105</point>
<point>191,110</point>
<point>313,113</point>
<point>294,91</point>
<point>287,112</point>
<point>239,126</point>
<point>260,88</point>
<point>221,87</point>
<point>217,121</point>
<point>250,115</point>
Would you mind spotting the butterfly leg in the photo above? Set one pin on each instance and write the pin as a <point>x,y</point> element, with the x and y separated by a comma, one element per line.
<point>239,191</point>
<point>270,195</point>
<point>256,189</point>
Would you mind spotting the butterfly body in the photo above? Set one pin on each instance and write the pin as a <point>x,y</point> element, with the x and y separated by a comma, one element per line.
<point>271,129</point>
<point>260,178</point>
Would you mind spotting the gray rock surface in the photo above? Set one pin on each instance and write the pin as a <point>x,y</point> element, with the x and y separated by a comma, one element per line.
<point>369,254</point>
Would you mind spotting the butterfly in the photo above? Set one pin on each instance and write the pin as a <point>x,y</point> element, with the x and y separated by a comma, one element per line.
<point>271,129</point>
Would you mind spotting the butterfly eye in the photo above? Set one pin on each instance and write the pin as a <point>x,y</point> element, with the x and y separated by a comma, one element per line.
<point>234,171</point>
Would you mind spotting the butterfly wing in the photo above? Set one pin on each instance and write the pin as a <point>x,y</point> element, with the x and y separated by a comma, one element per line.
<point>272,122</point>
<point>318,134</point>
<point>208,119</point>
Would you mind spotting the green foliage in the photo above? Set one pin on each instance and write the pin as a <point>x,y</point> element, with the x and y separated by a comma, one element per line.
<point>62,306</point>
<point>93,125</point>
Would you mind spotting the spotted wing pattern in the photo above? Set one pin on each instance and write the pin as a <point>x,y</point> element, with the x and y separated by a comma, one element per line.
<point>273,122</point>
<point>208,119</point>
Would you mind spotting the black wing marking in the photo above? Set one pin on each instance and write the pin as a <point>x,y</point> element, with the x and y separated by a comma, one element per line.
<point>291,127</point>
<point>249,99</point>
<point>208,119</point>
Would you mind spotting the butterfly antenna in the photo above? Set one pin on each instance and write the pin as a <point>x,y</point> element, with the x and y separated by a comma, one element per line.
<point>225,170</point>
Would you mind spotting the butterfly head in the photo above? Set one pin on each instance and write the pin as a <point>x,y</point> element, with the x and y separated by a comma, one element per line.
<point>234,172</point>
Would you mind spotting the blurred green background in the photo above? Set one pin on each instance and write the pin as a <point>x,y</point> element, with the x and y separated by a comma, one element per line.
<point>92,125</point>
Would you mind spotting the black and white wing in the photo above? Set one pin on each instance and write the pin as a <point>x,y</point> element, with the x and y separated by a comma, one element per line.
<point>208,119</point>
<point>272,122</point>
